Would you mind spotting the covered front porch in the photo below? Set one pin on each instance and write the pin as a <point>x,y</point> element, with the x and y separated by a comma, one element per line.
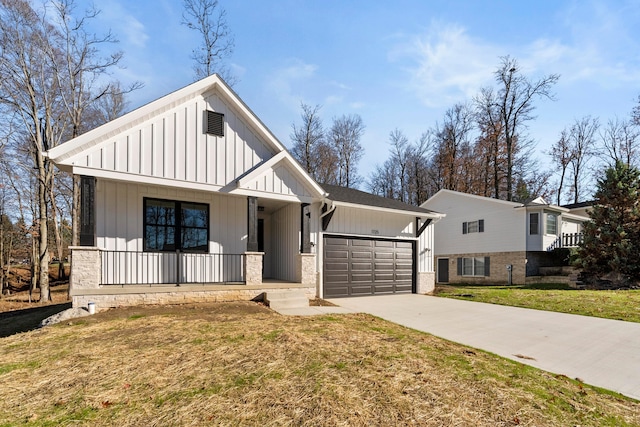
<point>134,242</point>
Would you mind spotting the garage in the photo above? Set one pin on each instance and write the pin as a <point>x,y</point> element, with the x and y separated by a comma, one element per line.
<point>356,266</point>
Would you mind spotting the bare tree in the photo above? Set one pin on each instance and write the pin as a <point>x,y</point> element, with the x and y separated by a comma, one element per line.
<point>583,149</point>
<point>561,154</point>
<point>307,138</point>
<point>515,104</point>
<point>345,135</point>
<point>50,67</point>
<point>209,19</point>
<point>400,155</point>
<point>451,142</point>
<point>620,142</point>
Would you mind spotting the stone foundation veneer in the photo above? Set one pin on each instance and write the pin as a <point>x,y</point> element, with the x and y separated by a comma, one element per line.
<point>306,269</point>
<point>426,283</point>
<point>253,268</point>
<point>117,296</point>
<point>86,266</point>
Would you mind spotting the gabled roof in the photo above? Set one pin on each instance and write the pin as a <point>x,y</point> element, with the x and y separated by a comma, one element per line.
<point>64,154</point>
<point>74,154</point>
<point>532,203</point>
<point>349,196</point>
<point>444,192</point>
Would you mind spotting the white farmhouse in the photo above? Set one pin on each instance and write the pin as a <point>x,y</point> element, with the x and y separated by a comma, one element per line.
<point>192,198</point>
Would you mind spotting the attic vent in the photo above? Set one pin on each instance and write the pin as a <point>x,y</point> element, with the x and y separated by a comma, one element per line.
<point>215,123</point>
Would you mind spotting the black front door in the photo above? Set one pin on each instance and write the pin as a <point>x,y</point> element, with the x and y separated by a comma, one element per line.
<point>443,270</point>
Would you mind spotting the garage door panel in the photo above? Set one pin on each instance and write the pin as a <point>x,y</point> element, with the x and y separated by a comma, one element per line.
<point>404,256</point>
<point>384,277</point>
<point>361,277</point>
<point>383,255</point>
<point>384,289</point>
<point>361,266</point>
<point>360,254</point>
<point>335,254</point>
<point>338,266</point>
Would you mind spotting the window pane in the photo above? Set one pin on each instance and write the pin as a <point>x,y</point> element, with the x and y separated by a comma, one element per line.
<point>533,223</point>
<point>160,212</point>
<point>194,215</point>
<point>472,227</point>
<point>467,266</point>
<point>159,238</point>
<point>194,239</point>
<point>552,224</point>
<point>478,267</point>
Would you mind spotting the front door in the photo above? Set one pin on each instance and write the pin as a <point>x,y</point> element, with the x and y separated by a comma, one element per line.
<point>443,270</point>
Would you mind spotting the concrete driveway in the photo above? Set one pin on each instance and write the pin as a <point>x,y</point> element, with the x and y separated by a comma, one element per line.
<point>601,352</point>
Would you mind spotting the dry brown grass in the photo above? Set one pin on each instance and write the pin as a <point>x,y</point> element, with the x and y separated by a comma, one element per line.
<point>241,364</point>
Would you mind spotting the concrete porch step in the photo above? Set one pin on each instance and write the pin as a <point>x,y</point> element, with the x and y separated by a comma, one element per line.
<point>292,298</point>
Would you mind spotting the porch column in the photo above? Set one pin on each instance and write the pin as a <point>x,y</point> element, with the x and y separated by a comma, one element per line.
<point>87,211</point>
<point>252,224</point>
<point>253,268</point>
<point>306,269</point>
<point>86,268</point>
<point>305,228</point>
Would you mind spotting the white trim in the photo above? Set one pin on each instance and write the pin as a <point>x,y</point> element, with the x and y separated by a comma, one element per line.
<point>269,164</point>
<point>273,196</point>
<point>370,237</point>
<point>432,215</point>
<point>260,169</point>
<point>144,179</point>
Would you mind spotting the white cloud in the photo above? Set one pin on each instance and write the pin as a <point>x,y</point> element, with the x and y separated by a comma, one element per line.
<point>130,30</point>
<point>286,84</point>
<point>447,65</point>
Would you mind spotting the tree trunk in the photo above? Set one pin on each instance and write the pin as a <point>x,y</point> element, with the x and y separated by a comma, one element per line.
<point>43,252</point>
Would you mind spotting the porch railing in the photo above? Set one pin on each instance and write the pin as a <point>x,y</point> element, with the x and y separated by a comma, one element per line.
<point>566,240</point>
<point>162,268</point>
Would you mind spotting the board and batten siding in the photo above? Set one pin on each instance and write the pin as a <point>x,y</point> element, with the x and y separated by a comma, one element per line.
<point>280,180</point>
<point>426,250</point>
<point>173,145</point>
<point>120,217</point>
<point>284,244</point>
<point>504,225</point>
<point>371,223</point>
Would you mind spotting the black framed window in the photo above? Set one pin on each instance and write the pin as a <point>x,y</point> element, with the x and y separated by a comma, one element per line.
<point>172,225</point>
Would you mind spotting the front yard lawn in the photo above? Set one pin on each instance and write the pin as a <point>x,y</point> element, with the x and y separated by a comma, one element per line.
<point>242,364</point>
<point>617,305</point>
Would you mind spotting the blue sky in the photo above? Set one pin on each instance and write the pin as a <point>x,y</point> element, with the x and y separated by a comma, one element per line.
<point>398,64</point>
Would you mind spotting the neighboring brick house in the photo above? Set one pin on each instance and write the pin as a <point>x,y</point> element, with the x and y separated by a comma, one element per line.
<point>191,197</point>
<point>483,240</point>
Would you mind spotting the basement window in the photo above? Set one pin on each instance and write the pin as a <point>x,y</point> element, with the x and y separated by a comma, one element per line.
<point>215,123</point>
<point>474,266</point>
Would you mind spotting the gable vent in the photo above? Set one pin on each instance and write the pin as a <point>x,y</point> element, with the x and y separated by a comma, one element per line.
<point>215,123</point>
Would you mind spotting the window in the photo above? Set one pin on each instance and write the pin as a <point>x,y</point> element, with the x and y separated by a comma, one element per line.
<point>552,224</point>
<point>171,225</point>
<point>474,266</point>
<point>534,221</point>
<point>473,227</point>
